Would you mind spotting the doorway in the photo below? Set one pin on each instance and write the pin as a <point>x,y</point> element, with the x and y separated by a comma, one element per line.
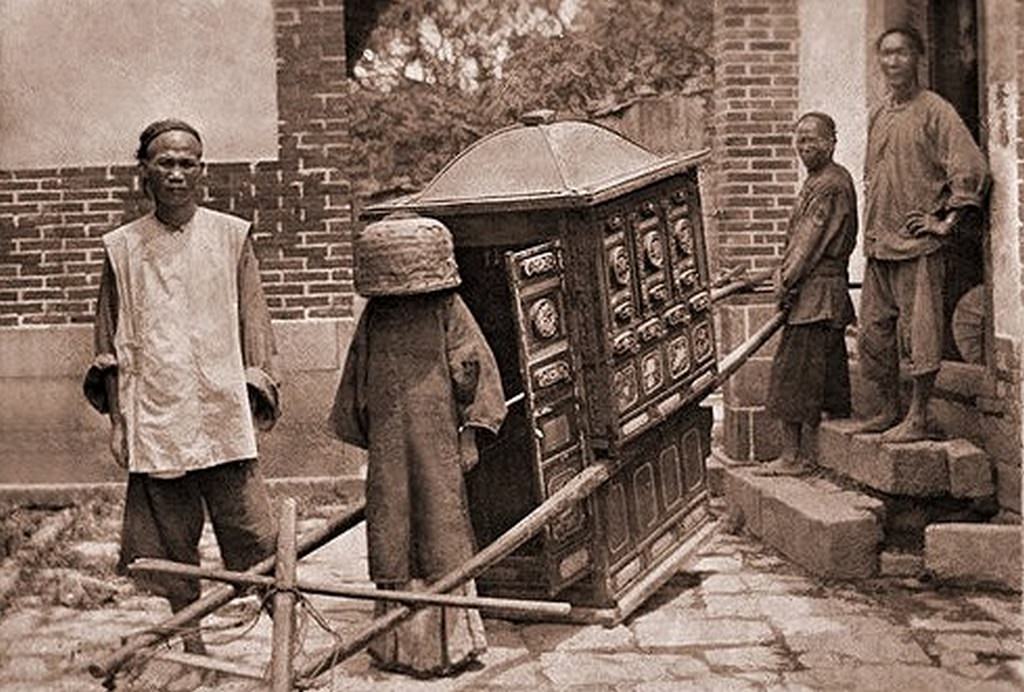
<point>953,50</point>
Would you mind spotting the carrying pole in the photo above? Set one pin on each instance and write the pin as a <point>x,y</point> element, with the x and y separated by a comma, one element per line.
<point>283,635</point>
<point>744,285</point>
<point>576,490</point>
<point>310,586</point>
<point>735,360</point>
<point>108,666</point>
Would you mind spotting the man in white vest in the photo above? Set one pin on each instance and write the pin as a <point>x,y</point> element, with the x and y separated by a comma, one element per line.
<point>183,366</point>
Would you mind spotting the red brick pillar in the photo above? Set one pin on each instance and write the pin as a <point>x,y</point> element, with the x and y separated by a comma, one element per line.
<point>756,101</point>
<point>304,196</point>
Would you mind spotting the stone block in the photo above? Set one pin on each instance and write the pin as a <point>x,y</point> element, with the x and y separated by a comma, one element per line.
<point>975,554</point>
<point>749,385</point>
<point>956,419</point>
<point>765,435</point>
<point>970,470</point>
<point>824,529</point>
<point>58,350</point>
<point>1008,486</point>
<point>53,436</point>
<point>864,463</point>
<point>45,401</point>
<point>894,563</point>
<point>716,473</point>
<point>917,468</point>
<point>743,498</point>
<point>829,531</point>
<point>833,445</point>
<point>736,433</point>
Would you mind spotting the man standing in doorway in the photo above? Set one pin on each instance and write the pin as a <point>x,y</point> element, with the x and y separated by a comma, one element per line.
<point>183,366</point>
<point>923,174</point>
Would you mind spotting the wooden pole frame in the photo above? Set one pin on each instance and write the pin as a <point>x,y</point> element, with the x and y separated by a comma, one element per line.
<point>504,605</point>
<point>576,490</point>
<point>282,647</point>
<point>108,666</point>
<point>746,284</point>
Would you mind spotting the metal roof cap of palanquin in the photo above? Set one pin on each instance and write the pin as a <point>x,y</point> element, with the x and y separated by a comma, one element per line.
<point>540,163</point>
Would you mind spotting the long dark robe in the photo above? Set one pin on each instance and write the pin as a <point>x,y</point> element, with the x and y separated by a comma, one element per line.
<point>417,371</point>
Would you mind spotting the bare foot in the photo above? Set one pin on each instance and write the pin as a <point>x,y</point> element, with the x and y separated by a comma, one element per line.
<point>783,466</point>
<point>876,424</point>
<point>912,429</point>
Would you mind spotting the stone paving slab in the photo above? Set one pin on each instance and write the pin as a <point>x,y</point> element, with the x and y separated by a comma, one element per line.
<point>1007,612</point>
<point>742,618</point>
<point>896,677</point>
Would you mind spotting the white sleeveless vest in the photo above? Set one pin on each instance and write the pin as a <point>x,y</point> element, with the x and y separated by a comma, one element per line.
<point>181,380</point>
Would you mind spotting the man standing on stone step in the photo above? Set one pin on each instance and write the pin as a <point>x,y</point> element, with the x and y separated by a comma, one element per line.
<point>810,373</point>
<point>184,352</point>
<point>923,174</point>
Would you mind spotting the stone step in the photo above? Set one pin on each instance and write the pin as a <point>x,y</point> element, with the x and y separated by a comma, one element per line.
<point>831,532</point>
<point>900,563</point>
<point>974,554</point>
<point>951,468</point>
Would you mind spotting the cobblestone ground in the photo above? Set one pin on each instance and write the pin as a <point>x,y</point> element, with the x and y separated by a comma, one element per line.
<point>742,618</point>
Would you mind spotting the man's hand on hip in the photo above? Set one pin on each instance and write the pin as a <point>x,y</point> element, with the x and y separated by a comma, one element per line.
<point>919,223</point>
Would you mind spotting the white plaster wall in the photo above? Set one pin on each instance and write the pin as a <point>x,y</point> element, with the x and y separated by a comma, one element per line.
<point>79,79</point>
<point>833,79</point>
<point>999,29</point>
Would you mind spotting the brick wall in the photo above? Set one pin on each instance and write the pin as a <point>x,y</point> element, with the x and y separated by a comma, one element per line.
<point>51,220</point>
<point>756,100</point>
<point>1014,380</point>
<point>1020,133</point>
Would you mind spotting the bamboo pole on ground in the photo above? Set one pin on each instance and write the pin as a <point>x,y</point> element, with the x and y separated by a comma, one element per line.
<point>108,666</point>
<point>531,607</point>
<point>576,490</point>
<point>239,670</point>
<point>283,634</point>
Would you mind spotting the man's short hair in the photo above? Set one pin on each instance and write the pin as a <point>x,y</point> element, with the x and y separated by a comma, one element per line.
<point>155,129</point>
<point>823,118</point>
<point>916,42</point>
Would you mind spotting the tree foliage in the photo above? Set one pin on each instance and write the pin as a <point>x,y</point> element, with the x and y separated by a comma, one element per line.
<point>438,74</point>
